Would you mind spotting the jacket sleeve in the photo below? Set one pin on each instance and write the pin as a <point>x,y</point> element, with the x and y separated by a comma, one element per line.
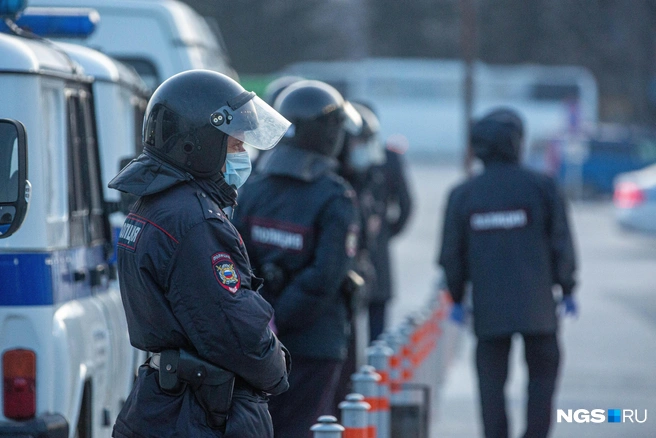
<point>453,255</point>
<point>400,191</point>
<point>226,323</point>
<point>315,287</point>
<point>563,257</point>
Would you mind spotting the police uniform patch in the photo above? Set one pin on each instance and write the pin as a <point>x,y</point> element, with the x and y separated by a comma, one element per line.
<point>225,272</point>
<point>130,233</point>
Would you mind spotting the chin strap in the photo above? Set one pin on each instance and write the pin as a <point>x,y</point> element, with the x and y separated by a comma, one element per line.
<point>219,190</point>
<point>227,193</point>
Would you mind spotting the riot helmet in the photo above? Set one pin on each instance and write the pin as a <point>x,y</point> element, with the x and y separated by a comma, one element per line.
<point>319,115</point>
<point>366,149</point>
<point>275,87</point>
<point>191,115</point>
<point>498,136</point>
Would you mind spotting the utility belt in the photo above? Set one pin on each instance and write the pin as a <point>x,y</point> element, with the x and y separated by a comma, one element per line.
<point>212,385</point>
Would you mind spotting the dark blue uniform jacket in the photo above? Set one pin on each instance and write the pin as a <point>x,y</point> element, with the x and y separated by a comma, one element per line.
<point>392,208</point>
<point>506,232</point>
<point>299,215</point>
<point>186,282</point>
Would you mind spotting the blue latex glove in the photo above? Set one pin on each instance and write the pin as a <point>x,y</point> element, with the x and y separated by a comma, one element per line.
<point>569,306</point>
<point>458,314</point>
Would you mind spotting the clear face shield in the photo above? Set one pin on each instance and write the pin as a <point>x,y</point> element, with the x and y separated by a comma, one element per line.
<point>250,120</point>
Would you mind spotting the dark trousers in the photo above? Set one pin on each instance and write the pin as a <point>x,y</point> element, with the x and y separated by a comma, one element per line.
<point>542,357</point>
<point>312,384</point>
<point>376,319</point>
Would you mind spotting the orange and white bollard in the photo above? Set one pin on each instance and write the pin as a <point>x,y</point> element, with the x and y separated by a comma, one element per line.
<point>392,339</point>
<point>365,382</point>
<point>379,356</point>
<point>327,427</point>
<point>355,416</point>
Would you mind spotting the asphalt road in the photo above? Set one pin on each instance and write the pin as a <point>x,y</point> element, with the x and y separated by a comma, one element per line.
<point>609,352</point>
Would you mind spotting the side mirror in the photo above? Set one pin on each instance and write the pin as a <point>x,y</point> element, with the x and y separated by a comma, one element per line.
<point>15,189</point>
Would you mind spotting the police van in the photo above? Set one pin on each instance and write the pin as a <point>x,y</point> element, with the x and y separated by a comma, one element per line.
<point>158,38</point>
<point>67,364</point>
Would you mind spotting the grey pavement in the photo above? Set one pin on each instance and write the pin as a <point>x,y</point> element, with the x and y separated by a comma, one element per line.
<point>609,352</point>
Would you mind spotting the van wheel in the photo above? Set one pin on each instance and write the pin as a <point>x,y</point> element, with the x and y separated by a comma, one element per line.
<point>85,421</point>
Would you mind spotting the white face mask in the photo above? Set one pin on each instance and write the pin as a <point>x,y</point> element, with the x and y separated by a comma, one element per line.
<point>359,157</point>
<point>238,168</point>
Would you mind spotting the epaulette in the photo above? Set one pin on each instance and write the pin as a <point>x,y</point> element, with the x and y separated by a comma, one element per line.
<point>211,209</point>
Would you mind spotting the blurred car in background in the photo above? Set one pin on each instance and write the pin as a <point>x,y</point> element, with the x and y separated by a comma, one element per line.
<point>635,199</point>
<point>587,163</point>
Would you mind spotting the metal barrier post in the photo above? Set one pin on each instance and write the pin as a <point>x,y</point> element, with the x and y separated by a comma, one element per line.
<point>327,427</point>
<point>378,356</point>
<point>365,382</point>
<point>391,338</point>
<point>354,416</point>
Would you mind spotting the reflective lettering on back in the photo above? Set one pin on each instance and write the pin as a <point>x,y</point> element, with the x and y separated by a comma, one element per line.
<point>499,220</point>
<point>283,235</point>
<point>130,233</point>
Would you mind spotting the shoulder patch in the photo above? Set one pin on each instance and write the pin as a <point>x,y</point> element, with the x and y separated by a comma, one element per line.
<point>210,208</point>
<point>130,233</point>
<point>225,272</point>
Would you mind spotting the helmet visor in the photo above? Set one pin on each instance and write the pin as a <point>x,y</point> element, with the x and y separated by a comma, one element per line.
<point>352,119</point>
<point>255,123</point>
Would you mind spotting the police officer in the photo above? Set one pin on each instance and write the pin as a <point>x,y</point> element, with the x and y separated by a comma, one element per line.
<point>299,221</point>
<point>275,87</point>
<point>377,175</point>
<point>506,233</point>
<point>188,290</point>
<point>271,92</point>
<point>355,159</point>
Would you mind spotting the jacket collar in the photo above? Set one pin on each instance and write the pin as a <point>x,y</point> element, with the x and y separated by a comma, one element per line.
<point>147,175</point>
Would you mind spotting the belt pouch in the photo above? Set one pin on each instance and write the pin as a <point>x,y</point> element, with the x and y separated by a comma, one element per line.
<point>212,387</point>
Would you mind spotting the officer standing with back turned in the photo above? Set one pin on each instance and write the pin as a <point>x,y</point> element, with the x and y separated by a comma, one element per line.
<point>299,222</point>
<point>187,286</point>
<point>506,233</point>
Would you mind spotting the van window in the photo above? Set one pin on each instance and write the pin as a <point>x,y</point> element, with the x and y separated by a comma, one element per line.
<point>8,174</point>
<point>557,92</point>
<point>145,68</point>
<point>8,163</point>
<point>54,165</point>
<point>87,219</point>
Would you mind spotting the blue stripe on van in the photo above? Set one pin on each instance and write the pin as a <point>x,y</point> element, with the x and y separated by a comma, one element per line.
<point>26,279</point>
